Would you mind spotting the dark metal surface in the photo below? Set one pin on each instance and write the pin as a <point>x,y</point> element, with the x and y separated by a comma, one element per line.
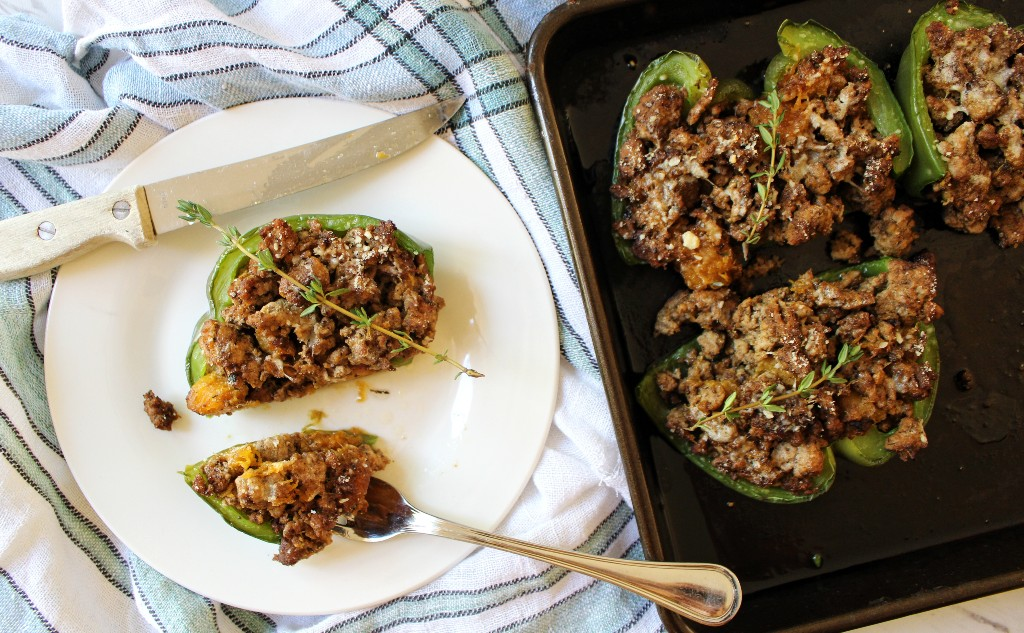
<point>884,542</point>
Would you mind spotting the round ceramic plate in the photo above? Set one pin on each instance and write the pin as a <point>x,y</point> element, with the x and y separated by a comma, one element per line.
<point>121,321</point>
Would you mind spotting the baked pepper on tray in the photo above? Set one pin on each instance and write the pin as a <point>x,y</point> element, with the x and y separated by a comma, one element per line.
<point>960,85</point>
<point>798,40</point>
<point>703,172</point>
<point>679,69</point>
<point>873,447</point>
<point>264,339</point>
<point>845,361</point>
<point>649,396</point>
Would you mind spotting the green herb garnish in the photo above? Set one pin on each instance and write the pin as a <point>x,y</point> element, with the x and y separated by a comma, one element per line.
<point>763,179</point>
<point>806,388</point>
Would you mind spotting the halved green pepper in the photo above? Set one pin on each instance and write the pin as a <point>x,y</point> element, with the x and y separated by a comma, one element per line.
<point>232,515</point>
<point>797,41</point>
<point>866,450</point>
<point>928,165</point>
<point>232,262</point>
<point>649,397</point>
<point>869,449</point>
<point>676,68</point>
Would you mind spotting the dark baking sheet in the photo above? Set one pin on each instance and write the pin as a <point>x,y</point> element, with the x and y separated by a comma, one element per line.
<point>892,540</point>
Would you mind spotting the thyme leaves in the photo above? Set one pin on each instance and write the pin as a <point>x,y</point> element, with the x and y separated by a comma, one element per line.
<point>771,397</point>
<point>763,180</point>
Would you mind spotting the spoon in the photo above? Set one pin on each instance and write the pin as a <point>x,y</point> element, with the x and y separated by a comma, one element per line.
<point>706,593</point>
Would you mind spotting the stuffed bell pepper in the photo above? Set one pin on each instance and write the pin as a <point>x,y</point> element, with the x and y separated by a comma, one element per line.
<point>960,84</point>
<point>289,489</point>
<point>776,382</point>
<point>704,173</point>
<point>265,339</point>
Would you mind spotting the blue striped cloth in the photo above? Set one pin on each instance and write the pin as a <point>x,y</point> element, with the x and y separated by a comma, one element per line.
<point>83,94</point>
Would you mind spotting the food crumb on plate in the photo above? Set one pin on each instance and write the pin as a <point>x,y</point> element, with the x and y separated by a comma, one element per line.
<point>161,413</point>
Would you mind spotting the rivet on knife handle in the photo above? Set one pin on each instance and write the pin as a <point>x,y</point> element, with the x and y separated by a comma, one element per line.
<point>40,240</point>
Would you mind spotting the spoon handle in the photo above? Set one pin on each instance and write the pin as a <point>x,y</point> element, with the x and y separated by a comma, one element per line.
<point>705,593</point>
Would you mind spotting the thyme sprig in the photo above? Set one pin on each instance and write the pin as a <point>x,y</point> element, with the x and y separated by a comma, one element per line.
<point>314,291</point>
<point>763,180</point>
<point>806,388</point>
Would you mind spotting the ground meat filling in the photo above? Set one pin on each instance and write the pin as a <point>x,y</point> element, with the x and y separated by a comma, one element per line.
<point>299,483</point>
<point>687,177</point>
<point>973,87</point>
<point>161,413</point>
<point>769,342</point>
<point>267,348</point>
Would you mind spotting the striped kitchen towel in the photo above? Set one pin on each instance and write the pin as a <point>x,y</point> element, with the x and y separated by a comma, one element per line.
<point>83,94</point>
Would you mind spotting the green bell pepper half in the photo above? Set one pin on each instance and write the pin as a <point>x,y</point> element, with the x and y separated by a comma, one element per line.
<point>685,70</point>
<point>232,515</point>
<point>866,450</point>
<point>232,262</point>
<point>869,449</point>
<point>797,41</point>
<point>649,397</point>
<point>928,165</point>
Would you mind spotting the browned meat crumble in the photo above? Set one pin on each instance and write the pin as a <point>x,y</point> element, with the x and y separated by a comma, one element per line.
<point>265,349</point>
<point>301,483</point>
<point>161,413</point>
<point>973,89</point>
<point>772,340</point>
<point>686,177</point>
<point>845,246</point>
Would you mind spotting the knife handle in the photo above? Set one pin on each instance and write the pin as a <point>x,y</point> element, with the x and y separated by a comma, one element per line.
<point>39,240</point>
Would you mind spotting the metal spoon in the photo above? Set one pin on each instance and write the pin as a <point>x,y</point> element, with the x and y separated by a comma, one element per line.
<point>706,593</point>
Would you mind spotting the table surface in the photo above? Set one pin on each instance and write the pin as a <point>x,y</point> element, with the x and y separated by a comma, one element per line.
<point>1002,612</point>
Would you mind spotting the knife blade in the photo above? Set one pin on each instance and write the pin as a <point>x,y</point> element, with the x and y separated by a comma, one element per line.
<point>39,240</point>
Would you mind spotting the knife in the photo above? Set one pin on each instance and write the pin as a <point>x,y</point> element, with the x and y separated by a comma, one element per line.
<point>37,241</point>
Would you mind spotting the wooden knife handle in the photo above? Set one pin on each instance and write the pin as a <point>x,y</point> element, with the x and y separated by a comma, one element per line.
<point>40,240</point>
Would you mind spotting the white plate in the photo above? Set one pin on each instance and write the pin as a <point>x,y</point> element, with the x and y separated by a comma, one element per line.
<point>120,322</point>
